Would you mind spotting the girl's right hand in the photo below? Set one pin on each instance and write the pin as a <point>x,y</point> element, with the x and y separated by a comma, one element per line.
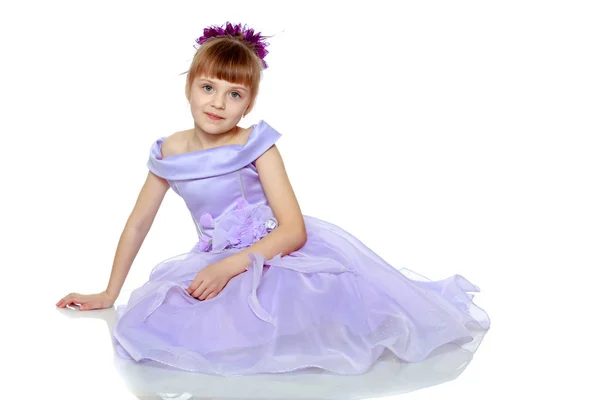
<point>87,301</point>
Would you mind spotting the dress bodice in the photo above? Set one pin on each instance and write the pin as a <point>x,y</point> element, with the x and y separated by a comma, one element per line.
<point>221,189</point>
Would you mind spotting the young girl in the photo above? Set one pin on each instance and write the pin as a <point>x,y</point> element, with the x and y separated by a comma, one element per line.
<point>266,289</point>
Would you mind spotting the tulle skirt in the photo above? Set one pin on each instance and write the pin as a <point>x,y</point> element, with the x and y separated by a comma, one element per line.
<point>334,304</point>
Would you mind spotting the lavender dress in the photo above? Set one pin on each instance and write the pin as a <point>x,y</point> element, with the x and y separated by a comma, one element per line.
<point>333,304</point>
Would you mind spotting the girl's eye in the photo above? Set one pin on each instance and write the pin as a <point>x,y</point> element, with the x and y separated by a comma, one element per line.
<point>208,88</point>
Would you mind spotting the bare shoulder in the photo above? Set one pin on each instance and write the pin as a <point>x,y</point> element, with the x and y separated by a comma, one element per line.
<point>174,144</point>
<point>270,161</point>
<point>180,142</point>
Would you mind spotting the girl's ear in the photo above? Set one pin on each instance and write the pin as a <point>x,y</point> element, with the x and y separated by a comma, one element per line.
<point>250,107</point>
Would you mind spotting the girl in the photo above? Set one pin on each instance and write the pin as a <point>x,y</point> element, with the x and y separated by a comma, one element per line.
<point>266,289</point>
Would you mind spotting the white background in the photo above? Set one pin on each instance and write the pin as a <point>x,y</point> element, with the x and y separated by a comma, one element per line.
<point>450,137</point>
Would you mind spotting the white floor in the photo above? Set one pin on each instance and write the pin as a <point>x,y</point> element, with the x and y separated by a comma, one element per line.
<point>387,378</point>
<point>450,137</point>
<point>529,351</point>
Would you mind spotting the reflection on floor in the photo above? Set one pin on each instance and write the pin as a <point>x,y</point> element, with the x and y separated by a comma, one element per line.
<point>388,376</point>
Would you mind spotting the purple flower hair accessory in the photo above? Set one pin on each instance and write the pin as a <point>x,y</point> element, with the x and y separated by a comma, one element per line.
<point>257,41</point>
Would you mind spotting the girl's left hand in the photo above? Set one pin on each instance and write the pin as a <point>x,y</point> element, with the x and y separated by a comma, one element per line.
<point>210,280</point>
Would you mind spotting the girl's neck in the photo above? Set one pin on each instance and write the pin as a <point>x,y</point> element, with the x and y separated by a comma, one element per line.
<point>204,141</point>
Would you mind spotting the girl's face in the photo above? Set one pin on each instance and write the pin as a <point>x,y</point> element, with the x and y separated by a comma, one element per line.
<point>221,99</point>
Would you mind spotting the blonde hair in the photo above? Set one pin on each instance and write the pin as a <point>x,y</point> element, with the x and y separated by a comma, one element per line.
<point>227,58</point>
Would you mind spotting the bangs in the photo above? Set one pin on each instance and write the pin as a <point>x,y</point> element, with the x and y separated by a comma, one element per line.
<point>226,70</point>
<point>227,60</point>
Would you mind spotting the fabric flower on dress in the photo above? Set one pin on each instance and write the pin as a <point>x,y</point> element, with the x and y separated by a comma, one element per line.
<point>240,228</point>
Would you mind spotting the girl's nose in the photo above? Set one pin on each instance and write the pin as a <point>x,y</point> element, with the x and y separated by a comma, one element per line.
<point>218,101</point>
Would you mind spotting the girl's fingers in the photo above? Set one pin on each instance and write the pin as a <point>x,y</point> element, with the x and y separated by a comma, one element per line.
<point>69,299</point>
<point>73,300</point>
<point>194,292</point>
<point>62,303</point>
<point>206,295</point>
<point>196,284</point>
<point>210,296</point>
<point>198,292</point>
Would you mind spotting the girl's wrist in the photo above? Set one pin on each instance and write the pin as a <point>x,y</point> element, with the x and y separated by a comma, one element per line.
<point>111,295</point>
<point>236,264</point>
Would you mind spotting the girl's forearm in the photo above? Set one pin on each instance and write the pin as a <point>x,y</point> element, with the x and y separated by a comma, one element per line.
<point>129,244</point>
<point>281,240</point>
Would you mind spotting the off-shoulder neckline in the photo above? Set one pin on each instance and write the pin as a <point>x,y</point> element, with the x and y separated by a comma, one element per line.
<point>187,153</point>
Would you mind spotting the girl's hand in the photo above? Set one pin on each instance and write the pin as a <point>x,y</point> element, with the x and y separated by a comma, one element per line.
<point>87,301</point>
<point>210,280</point>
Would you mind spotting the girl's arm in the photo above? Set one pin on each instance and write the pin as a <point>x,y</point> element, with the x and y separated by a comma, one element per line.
<point>290,234</point>
<point>138,224</point>
<point>135,231</point>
